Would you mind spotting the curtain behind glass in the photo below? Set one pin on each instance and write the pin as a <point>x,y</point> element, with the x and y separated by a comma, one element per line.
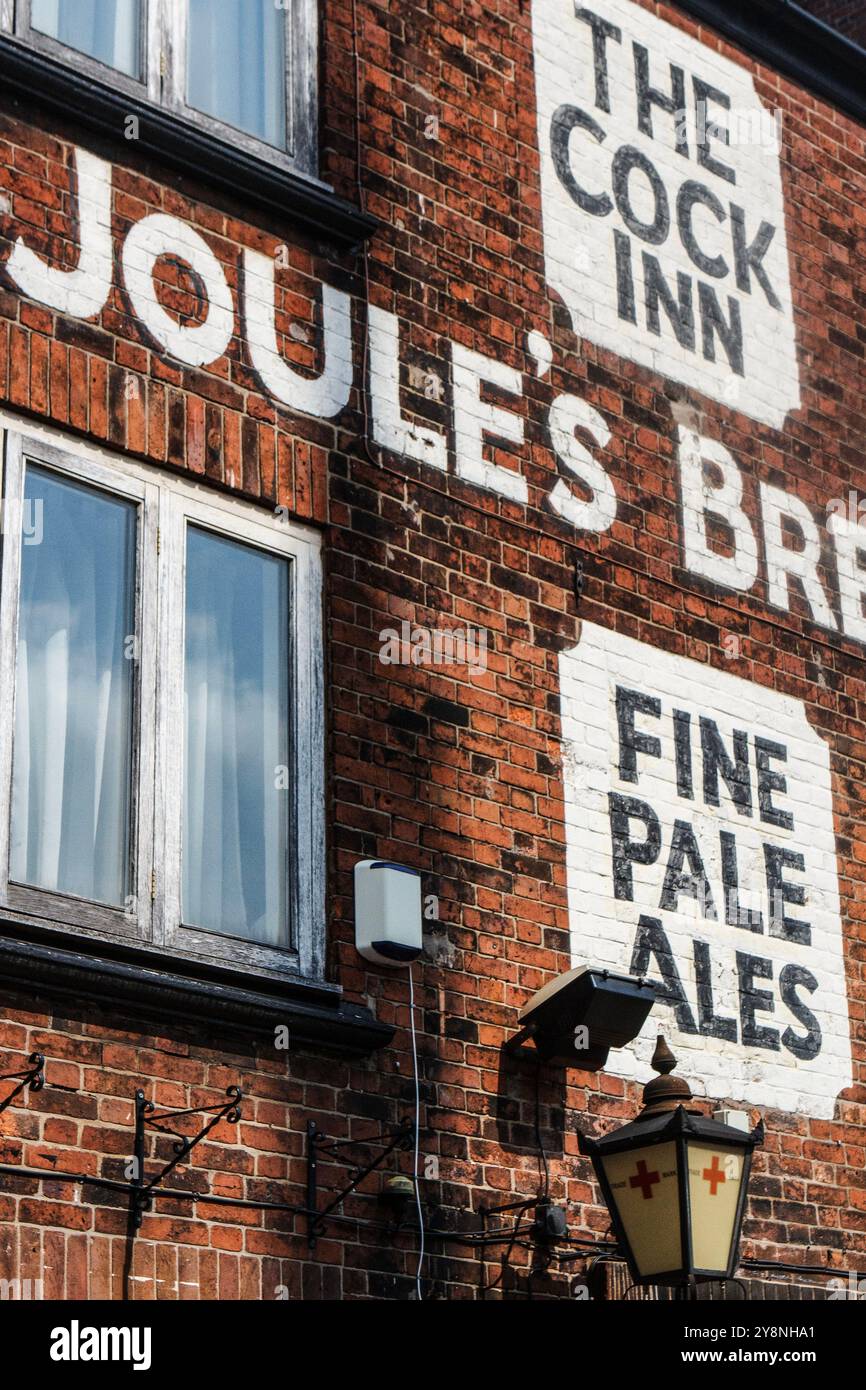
<point>108,30</point>
<point>236,65</point>
<point>235,822</point>
<point>73,707</point>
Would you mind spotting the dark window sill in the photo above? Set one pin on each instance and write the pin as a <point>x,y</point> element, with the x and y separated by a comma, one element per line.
<point>143,984</point>
<point>793,42</point>
<point>30,76</point>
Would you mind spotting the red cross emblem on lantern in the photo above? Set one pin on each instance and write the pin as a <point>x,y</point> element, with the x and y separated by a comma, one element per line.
<point>714,1175</point>
<point>643,1179</point>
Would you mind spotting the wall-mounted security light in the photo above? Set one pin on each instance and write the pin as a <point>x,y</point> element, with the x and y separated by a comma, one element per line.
<point>398,1191</point>
<point>577,1018</point>
<point>675,1184</point>
<point>387,912</point>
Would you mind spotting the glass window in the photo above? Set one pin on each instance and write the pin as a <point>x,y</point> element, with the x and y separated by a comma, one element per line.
<point>236,806</point>
<point>243,71</point>
<point>236,65</point>
<point>74,690</point>
<point>162,758</point>
<point>108,30</point>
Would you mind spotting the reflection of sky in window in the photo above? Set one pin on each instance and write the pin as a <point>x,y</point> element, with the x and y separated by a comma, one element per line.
<point>71,760</point>
<point>236,66</point>
<point>235,839</point>
<point>108,30</point>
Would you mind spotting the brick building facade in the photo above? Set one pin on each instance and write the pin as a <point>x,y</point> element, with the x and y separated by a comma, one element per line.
<point>519,344</point>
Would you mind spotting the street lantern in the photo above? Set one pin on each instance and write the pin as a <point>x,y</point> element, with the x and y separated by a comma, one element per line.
<point>675,1184</point>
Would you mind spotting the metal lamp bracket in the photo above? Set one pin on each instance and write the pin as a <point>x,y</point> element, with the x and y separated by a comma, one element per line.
<point>319,1143</point>
<point>33,1077</point>
<point>147,1114</point>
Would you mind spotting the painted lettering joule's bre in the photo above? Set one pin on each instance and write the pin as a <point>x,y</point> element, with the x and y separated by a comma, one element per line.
<point>583,492</point>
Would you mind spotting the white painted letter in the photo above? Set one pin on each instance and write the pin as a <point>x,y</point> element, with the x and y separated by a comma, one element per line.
<point>568,413</point>
<point>323,395</point>
<point>784,563</point>
<point>160,235</point>
<point>82,292</point>
<point>389,428</point>
<point>701,499</point>
<point>851,565</point>
<point>473,417</point>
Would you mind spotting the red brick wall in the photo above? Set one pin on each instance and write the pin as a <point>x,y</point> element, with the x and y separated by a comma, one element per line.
<point>461,779</point>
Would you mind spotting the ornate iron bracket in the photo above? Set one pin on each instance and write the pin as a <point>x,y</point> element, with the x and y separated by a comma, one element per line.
<point>34,1077</point>
<point>319,1143</point>
<point>146,1113</point>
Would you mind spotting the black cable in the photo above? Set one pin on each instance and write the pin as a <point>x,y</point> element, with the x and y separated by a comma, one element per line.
<point>516,1231</point>
<point>787,1268</point>
<point>363,386</point>
<point>470,1238</point>
<point>538,1138</point>
<point>489,1288</point>
<point>181,1194</point>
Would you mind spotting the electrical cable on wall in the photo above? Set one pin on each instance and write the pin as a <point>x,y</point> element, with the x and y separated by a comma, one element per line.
<point>418,1292</point>
<point>388,931</point>
<point>542,1153</point>
<point>374,458</point>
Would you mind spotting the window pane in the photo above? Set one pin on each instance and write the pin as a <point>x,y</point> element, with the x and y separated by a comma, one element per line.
<point>74,690</point>
<point>236,65</point>
<point>109,30</point>
<point>236,804</point>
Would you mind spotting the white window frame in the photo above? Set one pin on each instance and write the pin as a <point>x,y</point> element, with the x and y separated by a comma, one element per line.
<point>97,918</point>
<point>222,516</point>
<point>162,81</point>
<point>167,505</point>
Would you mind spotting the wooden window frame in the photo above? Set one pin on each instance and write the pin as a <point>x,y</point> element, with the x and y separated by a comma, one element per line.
<point>152,916</point>
<point>223,516</point>
<point>162,81</point>
<point>95,918</point>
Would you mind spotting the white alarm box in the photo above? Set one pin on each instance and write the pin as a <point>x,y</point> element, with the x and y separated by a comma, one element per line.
<point>387,912</point>
<point>734,1119</point>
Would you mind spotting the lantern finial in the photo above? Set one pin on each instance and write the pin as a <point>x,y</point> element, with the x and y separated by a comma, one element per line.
<point>665,1092</point>
<point>663,1060</point>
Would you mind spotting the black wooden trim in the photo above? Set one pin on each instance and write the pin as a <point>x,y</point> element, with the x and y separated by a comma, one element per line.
<point>133,979</point>
<point>792,41</point>
<point>28,75</point>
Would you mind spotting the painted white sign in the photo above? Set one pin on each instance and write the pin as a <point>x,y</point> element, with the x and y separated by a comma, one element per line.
<point>664,220</point>
<point>701,854</point>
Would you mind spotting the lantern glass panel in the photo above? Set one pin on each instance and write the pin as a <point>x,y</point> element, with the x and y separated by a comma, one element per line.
<point>645,1188</point>
<point>715,1179</point>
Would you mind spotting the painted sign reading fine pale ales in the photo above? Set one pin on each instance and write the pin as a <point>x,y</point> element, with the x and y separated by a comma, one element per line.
<point>664,226</point>
<point>701,854</point>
